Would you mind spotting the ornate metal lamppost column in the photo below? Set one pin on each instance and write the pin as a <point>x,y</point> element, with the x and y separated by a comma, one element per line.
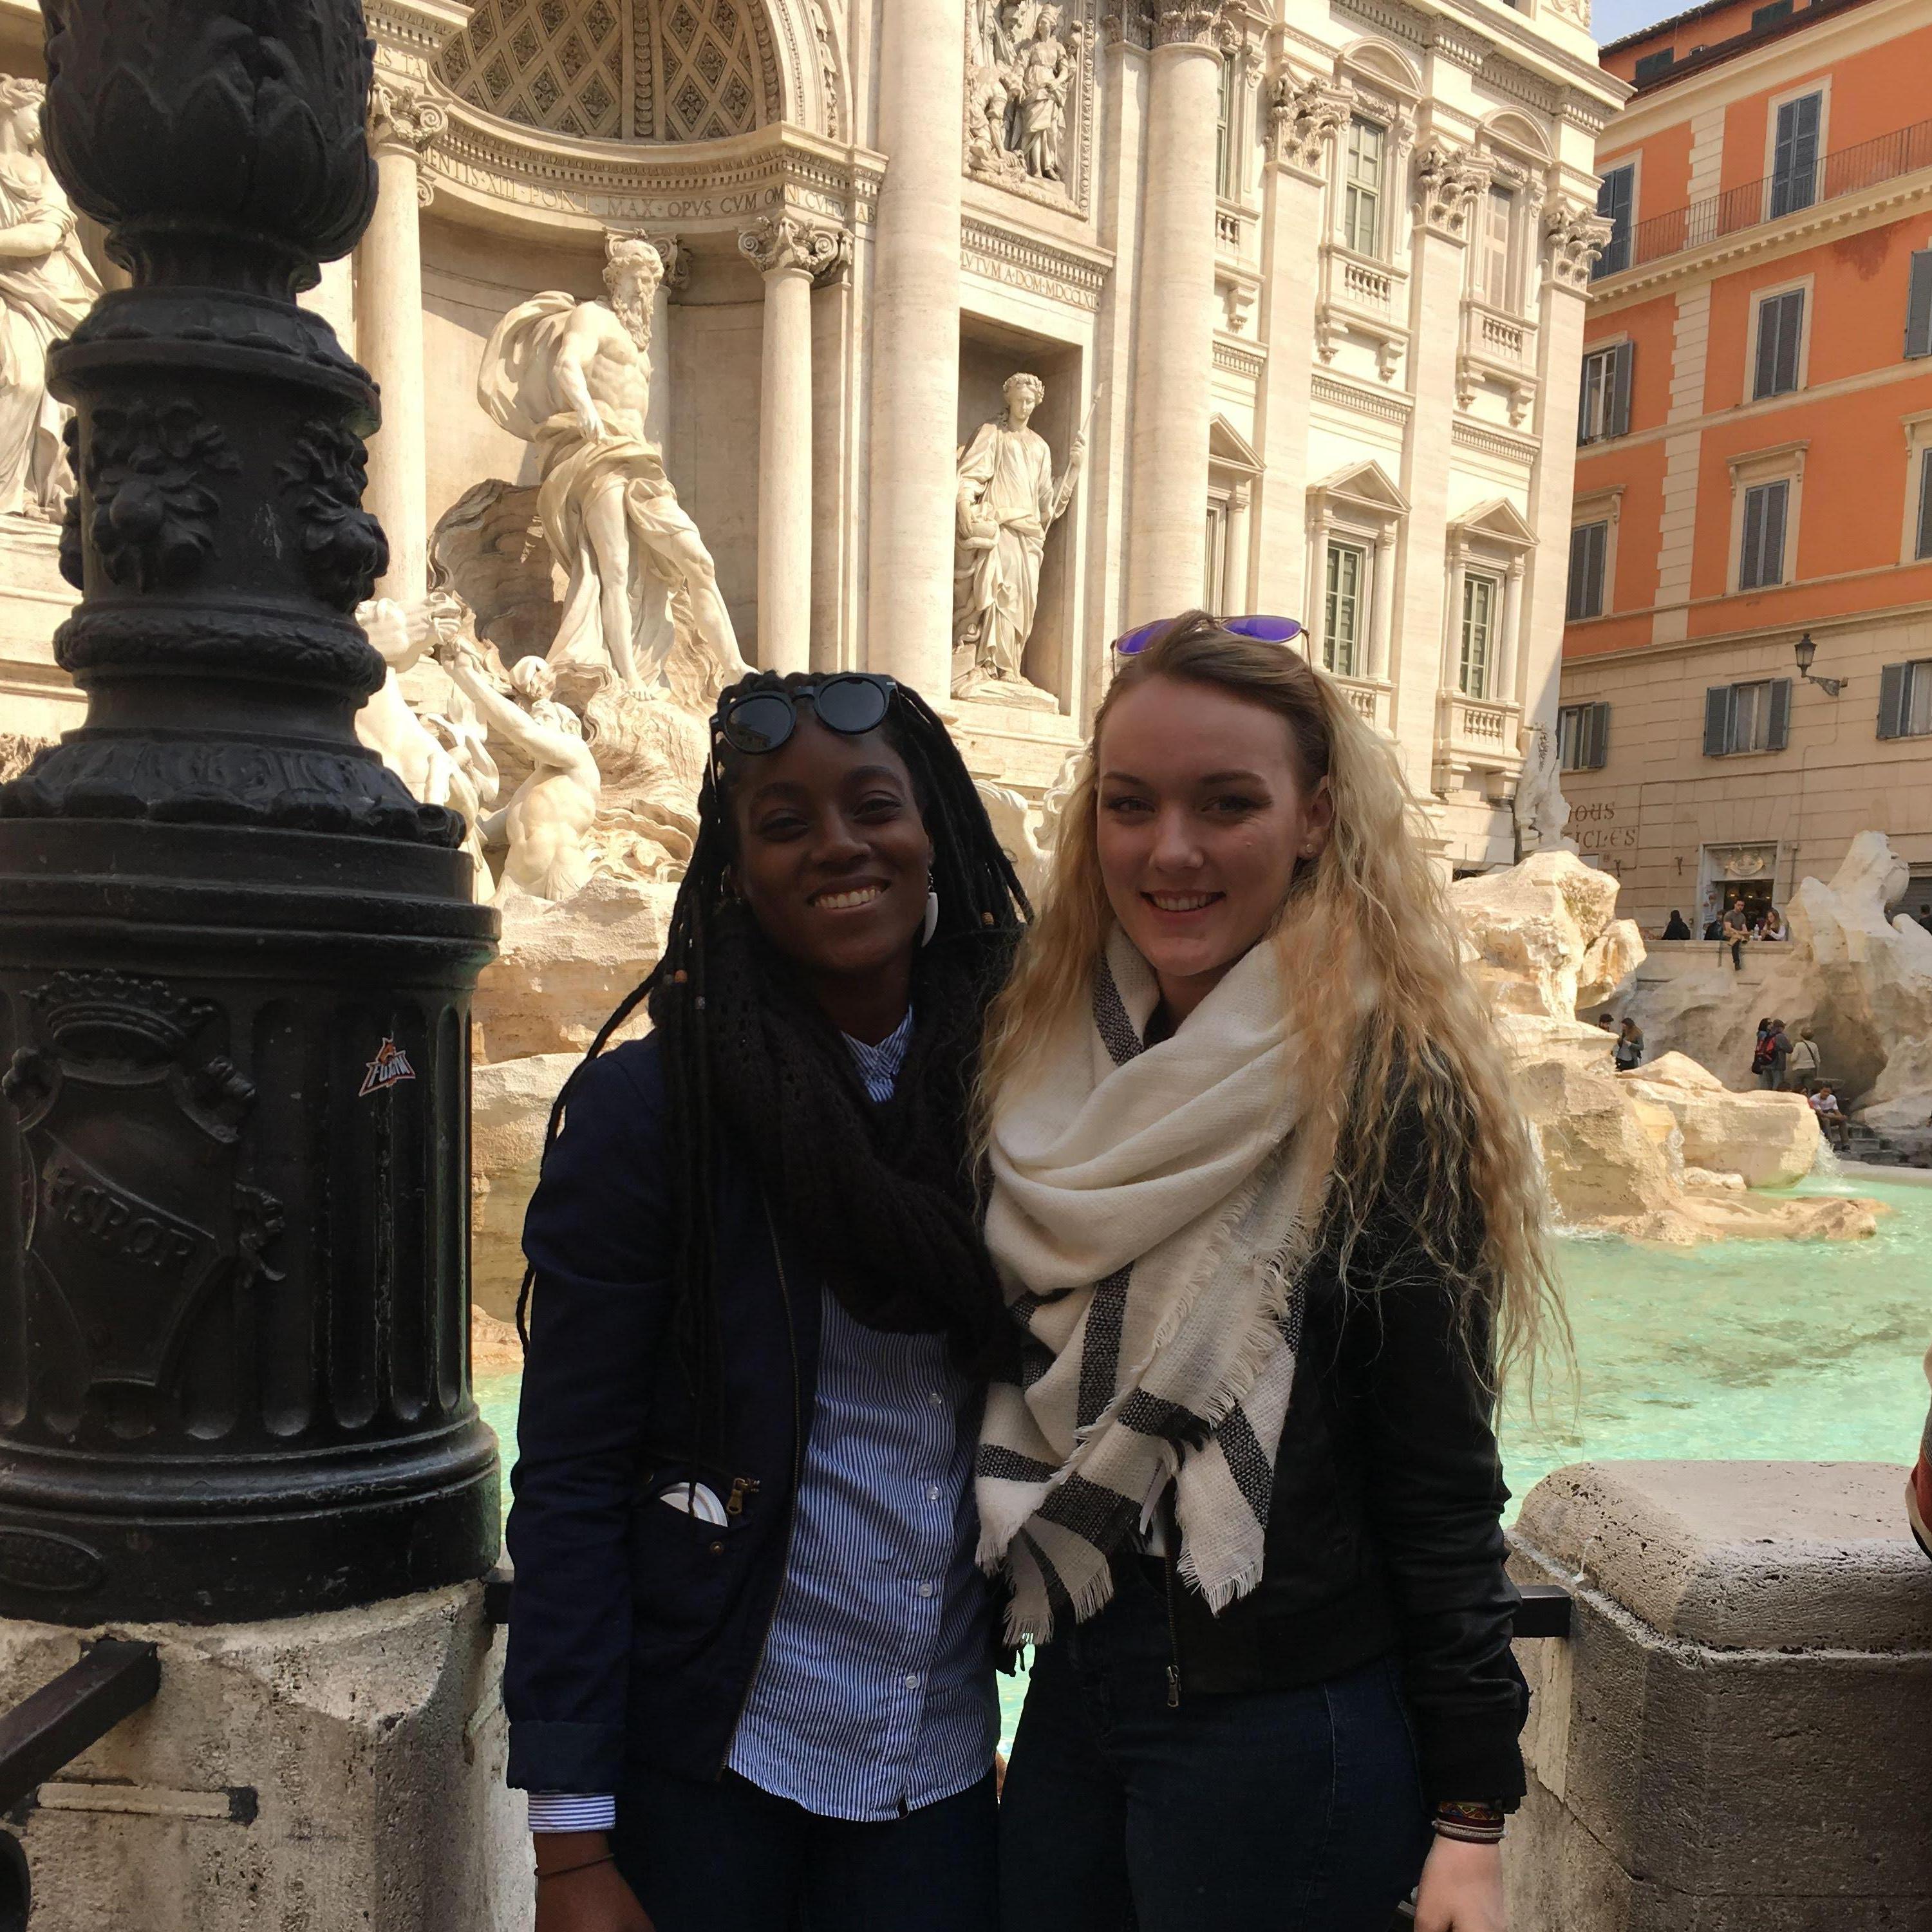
<point>235,956</point>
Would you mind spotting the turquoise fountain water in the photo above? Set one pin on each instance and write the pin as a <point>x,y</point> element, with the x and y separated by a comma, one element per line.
<point>1738,1350</point>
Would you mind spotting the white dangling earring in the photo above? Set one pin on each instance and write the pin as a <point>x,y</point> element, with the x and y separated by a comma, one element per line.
<point>932,916</point>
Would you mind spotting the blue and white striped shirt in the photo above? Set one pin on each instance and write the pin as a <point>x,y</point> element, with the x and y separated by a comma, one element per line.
<point>875,1694</point>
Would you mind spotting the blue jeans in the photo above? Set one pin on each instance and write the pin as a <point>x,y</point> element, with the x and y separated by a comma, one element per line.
<point>1277,1811</point>
<point>729,1858</point>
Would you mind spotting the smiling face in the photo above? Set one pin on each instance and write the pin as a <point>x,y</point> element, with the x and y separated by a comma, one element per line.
<point>1204,815</point>
<point>833,861</point>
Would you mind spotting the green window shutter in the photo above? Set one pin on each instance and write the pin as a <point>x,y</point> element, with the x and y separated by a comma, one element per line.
<point>1618,416</point>
<point>1923,547</point>
<point>1780,714</point>
<point>1717,721</point>
<point>1894,681</point>
<point>1918,305</point>
<point>1597,731</point>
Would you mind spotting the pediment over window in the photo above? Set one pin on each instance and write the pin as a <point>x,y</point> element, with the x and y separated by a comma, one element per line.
<point>1497,521</point>
<point>1227,448</point>
<point>1364,486</point>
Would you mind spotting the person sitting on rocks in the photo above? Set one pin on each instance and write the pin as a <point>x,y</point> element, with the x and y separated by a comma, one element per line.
<point>1735,931</point>
<point>1831,1115</point>
<point>1676,928</point>
<point>1773,926</point>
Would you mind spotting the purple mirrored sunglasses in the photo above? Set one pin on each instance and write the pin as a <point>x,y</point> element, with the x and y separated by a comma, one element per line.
<point>1267,630</point>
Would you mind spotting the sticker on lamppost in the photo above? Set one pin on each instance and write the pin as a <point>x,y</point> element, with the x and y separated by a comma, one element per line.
<point>390,1067</point>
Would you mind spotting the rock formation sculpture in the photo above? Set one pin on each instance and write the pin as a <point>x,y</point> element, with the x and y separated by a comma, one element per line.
<point>574,378</point>
<point>1008,501</point>
<point>46,286</point>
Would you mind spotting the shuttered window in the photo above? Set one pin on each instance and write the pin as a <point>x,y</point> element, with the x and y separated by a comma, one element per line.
<point>1753,717</point>
<point>1492,258</point>
<point>1343,609</point>
<point>1794,155</point>
<point>1918,305</point>
<point>1615,196</point>
<point>1589,545</point>
<point>1603,401</point>
<point>1761,548</point>
<point>1583,737</point>
<point>1905,700</point>
<point>1362,199</point>
<point>1780,334</point>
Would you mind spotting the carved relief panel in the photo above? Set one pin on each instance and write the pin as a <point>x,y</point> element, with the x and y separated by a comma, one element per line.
<point>1029,98</point>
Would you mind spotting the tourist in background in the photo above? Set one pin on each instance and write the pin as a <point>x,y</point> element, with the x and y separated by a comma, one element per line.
<point>1629,1047</point>
<point>1674,927</point>
<point>1734,931</point>
<point>1773,927</point>
<point>1269,1222</point>
<point>1760,1051</point>
<point>750,1671</point>
<point>1918,1489</point>
<point>1606,1022</point>
<point>1774,1053</point>
<point>1801,1069</point>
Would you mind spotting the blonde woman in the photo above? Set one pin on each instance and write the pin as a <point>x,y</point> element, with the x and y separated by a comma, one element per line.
<point>1269,1223</point>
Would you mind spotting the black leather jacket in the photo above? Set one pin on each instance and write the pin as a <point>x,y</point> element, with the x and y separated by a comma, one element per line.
<point>1383,1533</point>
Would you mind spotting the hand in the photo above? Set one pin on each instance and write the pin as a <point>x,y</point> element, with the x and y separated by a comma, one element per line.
<point>594,1901</point>
<point>590,422</point>
<point>1461,1888</point>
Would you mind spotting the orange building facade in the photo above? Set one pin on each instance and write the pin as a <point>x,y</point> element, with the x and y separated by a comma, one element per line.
<point>1754,466</point>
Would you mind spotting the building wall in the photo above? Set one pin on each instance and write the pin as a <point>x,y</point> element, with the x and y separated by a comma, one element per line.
<point>1659,811</point>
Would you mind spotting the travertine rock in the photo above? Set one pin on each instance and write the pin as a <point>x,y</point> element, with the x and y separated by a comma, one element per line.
<point>1538,932</point>
<point>1770,1139</point>
<point>509,1108</point>
<point>562,968</point>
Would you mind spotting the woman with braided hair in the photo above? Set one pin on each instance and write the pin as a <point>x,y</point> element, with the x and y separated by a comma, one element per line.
<point>750,1680</point>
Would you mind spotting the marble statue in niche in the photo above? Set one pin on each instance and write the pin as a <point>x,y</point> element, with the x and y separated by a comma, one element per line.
<point>574,378</point>
<point>546,825</point>
<point>46,286</point>
<point>1008,500</point>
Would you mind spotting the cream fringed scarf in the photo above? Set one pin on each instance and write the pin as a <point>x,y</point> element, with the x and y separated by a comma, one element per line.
<point>1150,1210</point>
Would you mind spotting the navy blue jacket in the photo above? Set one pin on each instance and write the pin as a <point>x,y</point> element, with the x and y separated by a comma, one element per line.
<point>636,1630</point>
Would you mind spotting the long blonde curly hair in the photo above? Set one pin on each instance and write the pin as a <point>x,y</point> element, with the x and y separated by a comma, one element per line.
<point>1371,904</point>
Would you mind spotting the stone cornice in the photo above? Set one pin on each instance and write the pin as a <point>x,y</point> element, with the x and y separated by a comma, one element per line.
<point>1244,359</point>
<point>1380,406</point>
<point>512,176</point>
<point>1056,270</point>
<point>1488,441</point>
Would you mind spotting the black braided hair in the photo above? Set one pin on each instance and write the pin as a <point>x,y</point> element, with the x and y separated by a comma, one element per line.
<point>882,1198</point>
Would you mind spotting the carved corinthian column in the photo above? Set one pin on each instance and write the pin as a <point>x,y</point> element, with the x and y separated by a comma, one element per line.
<point>788,252</point>
<point>403,123</point>
<point>235,956</point>
<point>1174,371</point>
<point>915,346</point>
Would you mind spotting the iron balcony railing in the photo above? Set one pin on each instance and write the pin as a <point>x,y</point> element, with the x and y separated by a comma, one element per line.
<point>1850,171</point>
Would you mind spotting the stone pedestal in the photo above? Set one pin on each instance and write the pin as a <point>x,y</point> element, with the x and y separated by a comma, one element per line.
<point>341,1773</point>
<point>1734,1738</point>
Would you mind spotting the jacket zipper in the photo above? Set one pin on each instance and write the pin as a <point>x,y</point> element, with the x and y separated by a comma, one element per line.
<point>1171,1533</point>
<point>743,1486</point>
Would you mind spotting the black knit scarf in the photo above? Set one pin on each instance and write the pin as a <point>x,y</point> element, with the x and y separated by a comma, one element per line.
<point>880,1196</point>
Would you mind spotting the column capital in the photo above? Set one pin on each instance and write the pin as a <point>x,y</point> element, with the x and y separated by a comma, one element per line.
<point>1575,236</point>
<point>403,120</point>
<point>1303,117</point>
<point>1195,23</point>
<point>1448,179</point>
<point>674,256</point>
<point>790,244</point>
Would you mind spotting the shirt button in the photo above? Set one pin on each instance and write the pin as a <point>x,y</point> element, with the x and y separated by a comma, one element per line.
<point>925,1589</point>
<point>937,1400</point>
<point>912,1680</point>
<point>932,1492</point>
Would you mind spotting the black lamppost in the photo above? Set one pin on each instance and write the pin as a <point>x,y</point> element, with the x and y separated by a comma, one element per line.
<point>1808,653</point>
<point>235,956</point>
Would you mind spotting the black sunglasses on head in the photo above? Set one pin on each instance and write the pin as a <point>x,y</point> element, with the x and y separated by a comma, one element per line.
<point>850,702</point>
